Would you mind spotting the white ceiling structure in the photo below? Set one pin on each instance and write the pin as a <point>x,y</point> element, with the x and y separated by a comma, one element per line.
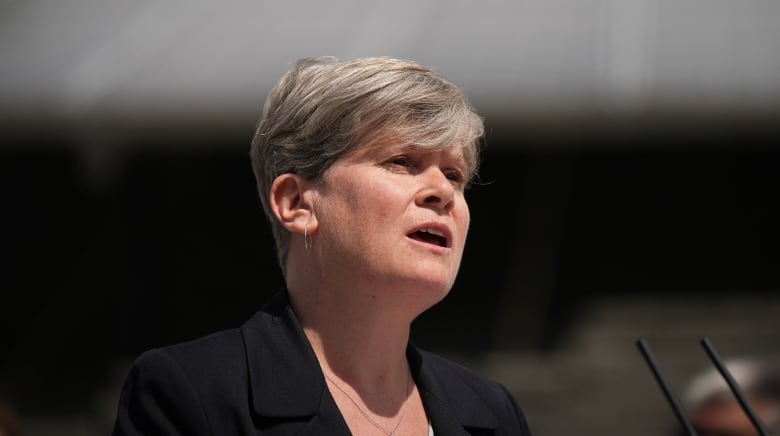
<point>82,60</point>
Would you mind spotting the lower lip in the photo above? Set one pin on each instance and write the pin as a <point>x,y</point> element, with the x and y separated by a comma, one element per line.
<point>434,248</point>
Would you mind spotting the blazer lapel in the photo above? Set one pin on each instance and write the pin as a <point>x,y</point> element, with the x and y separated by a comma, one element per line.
<point>453,408</point>
<point>443,420</point>
<point>286,382</point>
<point>289,390</point>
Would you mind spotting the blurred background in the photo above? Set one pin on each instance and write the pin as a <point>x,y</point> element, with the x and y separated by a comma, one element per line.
<point>629,189</point>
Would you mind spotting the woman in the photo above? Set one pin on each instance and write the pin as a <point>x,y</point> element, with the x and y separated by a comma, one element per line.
<point>361,167</point>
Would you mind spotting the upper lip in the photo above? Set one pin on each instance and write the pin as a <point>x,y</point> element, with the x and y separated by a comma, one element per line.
<point>435,228</point>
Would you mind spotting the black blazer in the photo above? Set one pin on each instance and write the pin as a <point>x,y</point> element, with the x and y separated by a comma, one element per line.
<point>264,379</point>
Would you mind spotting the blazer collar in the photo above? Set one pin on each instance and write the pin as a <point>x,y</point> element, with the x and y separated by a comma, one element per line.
<point>451,404</point>
<point>284,374</point>
<point>286,380</point>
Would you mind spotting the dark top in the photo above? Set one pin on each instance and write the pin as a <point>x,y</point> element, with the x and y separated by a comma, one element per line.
<point>264,379</point>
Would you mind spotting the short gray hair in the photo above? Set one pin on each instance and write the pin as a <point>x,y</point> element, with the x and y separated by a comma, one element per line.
<point>324,108</point>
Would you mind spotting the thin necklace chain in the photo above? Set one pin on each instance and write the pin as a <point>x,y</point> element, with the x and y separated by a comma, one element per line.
<point>366,415</point>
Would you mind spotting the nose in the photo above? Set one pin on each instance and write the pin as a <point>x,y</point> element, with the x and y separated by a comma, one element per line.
<point>436,189</point>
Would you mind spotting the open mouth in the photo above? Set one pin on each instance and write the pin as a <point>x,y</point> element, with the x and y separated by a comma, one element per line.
<point>430,236</point>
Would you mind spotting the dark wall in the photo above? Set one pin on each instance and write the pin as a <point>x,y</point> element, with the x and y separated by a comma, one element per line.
<point>169,243</point>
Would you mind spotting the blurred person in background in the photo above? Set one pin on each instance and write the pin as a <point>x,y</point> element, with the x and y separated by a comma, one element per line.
<point>715,411</point>
<point>9,420</point>
<point>361,167</point>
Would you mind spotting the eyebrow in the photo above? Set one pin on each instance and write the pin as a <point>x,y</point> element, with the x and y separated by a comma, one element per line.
<point>459,155</point>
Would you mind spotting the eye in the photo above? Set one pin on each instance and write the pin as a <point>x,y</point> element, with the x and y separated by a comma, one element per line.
<point>455,176</point>
<point>400,161</point>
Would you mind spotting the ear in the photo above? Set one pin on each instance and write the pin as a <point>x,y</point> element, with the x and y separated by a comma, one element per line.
<point>291,200</point>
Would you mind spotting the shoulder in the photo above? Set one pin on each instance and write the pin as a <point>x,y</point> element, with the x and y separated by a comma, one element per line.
<point>209,356</point>
<point>216,350</point>
<point>212,366</point>
<point>182,389</point>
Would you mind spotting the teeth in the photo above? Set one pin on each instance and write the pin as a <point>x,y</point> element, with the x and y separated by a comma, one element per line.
<point>433,232</point>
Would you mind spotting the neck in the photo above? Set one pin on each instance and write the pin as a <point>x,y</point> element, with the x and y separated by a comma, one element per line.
<point>358,326</point>
<point>361,345</point>
<point>360,332</point>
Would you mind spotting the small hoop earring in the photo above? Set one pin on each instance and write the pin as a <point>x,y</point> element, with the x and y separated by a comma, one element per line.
<point>307,242</point>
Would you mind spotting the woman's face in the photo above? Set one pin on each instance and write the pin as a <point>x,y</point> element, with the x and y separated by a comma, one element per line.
<point>395,217</point>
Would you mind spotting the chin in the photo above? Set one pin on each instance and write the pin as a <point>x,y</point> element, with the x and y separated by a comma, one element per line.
<point>432,290</point>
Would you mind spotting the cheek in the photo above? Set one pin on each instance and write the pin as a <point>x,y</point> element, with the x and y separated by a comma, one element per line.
<point>364,206</point>
<point>380,199</point>
<point>464,218</point>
